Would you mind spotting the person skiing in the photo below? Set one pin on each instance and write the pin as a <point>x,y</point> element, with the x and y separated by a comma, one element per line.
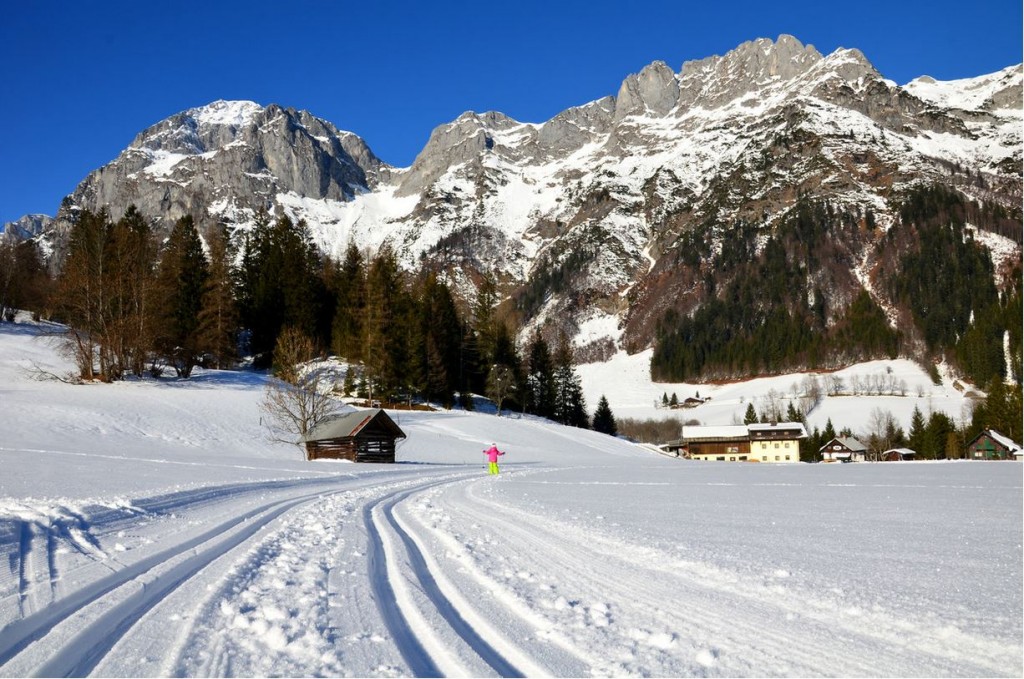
<point>492,454</point>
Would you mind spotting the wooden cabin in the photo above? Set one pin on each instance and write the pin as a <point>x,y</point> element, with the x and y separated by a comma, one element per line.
<point>898,455</point>
<point>360,436</point>
<point>843,449</point>
<point>991,445</point>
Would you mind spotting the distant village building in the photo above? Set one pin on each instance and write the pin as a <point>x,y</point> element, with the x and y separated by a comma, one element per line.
<point>843,449</point>
<point>360,436</point>
<point>771,443</point>
<point>776,442</point>
<point>898,455</point>
<point>991,445</point>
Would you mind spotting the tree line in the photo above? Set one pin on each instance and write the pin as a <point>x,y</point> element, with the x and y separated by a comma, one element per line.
<point>132,306</point>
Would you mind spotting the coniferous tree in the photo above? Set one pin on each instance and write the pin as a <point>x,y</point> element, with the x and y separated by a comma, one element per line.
<point>828,433</point>
<point>810,446</point>
<point>384,326</point>
<point>917,431</point>
<point>439,342</point>
<point>604,420</point>
<point>750,417</point>
<point>280,284</point>
<point>569,405</point>
<point>506,357</point>
<point>485,330</point>
<point>178,297</point>
<point>540,380</point>
<point>350,292</point>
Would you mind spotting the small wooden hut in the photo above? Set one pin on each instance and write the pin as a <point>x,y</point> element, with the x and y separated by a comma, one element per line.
<point>991,445</point>
<point>360,436</point>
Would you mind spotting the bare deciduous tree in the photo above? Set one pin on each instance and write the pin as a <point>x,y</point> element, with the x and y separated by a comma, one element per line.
<point>298,397</point>
<point>501,383</point>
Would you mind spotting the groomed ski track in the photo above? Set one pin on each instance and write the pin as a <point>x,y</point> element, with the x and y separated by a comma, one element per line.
<point>421,570</point>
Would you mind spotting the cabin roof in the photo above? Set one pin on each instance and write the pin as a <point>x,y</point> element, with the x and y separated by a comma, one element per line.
<point>350,424</point>
<point>848,442</point>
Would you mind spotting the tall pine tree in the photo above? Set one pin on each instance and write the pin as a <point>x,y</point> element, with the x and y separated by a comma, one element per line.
<point>178,297</point>
<point>569,405</point>
<point>540,380</point>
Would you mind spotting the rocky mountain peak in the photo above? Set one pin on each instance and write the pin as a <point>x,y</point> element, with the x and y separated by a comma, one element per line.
<point>228,160</point>
<point>654,91</point>
<point>715,80</point>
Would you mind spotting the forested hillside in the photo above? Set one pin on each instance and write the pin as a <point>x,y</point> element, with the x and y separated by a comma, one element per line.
<point>772,299</point>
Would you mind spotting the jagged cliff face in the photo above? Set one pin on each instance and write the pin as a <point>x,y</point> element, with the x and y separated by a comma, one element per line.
<point>582,217</point>
<point>228,161</point>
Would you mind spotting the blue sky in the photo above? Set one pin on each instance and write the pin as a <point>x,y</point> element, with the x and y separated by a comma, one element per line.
<point>79,80</point>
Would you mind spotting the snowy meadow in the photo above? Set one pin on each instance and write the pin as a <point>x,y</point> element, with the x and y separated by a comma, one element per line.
<point>147,528</point>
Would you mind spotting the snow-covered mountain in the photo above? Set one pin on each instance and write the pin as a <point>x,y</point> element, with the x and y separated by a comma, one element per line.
<point>584,218</point>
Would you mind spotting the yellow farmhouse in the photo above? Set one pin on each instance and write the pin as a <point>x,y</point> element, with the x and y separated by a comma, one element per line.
<point>771,443</point>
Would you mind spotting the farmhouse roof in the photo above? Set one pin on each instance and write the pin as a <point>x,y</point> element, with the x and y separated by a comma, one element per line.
<point>779,426</point>
<point>350,424</point>
<point>901,451</point>
<point>729,431</point>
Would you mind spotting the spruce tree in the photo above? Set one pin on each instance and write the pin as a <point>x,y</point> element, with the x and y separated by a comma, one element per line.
<point>540,381</point>
<point>569,405</point>
<point>386,326</point>
<point>485,330</point>
<point>350,292</point>
<point>750,417</point>
<point>604,420</point>
<point>829,432</point>
<point>917,431</point>
<point>180,284</point>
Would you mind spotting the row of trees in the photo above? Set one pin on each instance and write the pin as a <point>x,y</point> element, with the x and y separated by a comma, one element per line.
<point>132,305</point>
<point>126,310</point>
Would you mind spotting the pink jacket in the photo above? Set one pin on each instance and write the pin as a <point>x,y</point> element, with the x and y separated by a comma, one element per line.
<point>492,453</point>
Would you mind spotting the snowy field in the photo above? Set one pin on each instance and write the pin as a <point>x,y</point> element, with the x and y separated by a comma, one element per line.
<point>896,386</point>
<point>148,529</point>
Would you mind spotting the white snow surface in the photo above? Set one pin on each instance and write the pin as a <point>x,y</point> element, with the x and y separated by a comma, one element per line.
<point>148,529</point>
<point>849,396</point>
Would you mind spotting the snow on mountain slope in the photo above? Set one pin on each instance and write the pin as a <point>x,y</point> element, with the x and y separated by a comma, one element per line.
<point>151,532</point>
<point>602,196</point>
<point>849,396</point>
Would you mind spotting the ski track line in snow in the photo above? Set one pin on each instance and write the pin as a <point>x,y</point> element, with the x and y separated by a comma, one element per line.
<point>273,610</point>
<point>719,607</point>
<point>148,581</point>
<point>265,609</point>
<point>157,460</point>
<point>424,651</point>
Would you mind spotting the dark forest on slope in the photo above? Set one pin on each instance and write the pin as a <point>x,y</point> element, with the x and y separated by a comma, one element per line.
<point>781,307</point>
